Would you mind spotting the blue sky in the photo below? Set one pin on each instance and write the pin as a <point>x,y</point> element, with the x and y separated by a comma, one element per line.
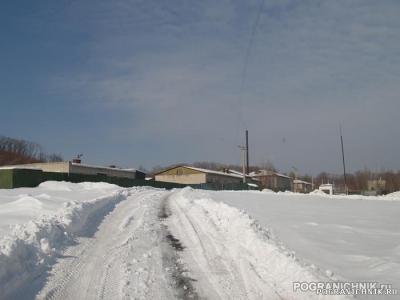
<point>161,82</point>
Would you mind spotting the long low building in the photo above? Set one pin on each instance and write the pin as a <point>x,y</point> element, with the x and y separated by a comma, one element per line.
<point>190,175</point>
<point>78,168</point>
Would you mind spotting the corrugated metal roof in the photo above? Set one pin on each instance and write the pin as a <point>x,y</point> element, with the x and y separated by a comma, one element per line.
<point>106,168</point>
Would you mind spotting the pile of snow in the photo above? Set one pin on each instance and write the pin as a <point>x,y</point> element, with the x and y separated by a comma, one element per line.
<point>393,196</point>
<point>268,191</point>
<point>287,193</point>
<point>21,205</point>
<point>27,251</point>
<point>69,186</point>
<point>318,192</point>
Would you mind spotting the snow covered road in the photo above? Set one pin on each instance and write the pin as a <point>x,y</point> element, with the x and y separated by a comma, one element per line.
<point>122,253</point>
<point>105,259</point>
<point>145,243</point>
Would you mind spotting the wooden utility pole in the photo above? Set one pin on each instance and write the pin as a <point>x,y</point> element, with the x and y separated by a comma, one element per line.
<point>243,162</point>
<point>295,179</point>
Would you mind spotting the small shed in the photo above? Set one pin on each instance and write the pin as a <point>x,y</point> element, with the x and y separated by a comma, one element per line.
<point>301,186</point>
<point>328,188</point>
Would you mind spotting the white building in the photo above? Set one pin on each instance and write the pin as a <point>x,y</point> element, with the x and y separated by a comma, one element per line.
<point>328,188</point>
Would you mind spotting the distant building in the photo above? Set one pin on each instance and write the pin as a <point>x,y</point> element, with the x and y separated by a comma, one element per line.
<point>301,186</point>
<point>328,188</point>
<point>376,185</point>
<point>272,180</point>
<point>190,175</point>
<point>78,168</point>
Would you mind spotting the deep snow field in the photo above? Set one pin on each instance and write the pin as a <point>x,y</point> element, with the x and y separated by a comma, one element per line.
<point>95,240</point>
<point>355,237</point>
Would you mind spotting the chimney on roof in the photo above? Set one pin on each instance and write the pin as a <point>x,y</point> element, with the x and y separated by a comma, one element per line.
<point>77,160</point>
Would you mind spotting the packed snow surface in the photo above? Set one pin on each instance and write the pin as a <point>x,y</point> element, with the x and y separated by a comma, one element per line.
<point>100,241</point>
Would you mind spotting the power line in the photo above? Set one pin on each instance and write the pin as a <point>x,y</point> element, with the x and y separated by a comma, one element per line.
<point>246,62</point>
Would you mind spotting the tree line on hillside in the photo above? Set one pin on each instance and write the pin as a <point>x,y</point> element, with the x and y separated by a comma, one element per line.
<point>357,181</point>
<point>15,151</point>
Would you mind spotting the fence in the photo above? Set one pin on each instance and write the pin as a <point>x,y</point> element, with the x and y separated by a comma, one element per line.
<point>16,178</point>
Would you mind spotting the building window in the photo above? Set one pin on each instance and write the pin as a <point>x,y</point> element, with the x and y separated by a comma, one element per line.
<point>179,172</point>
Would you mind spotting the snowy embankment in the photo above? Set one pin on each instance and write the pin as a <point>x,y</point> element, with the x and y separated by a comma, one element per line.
<point>239,259</point>
<point>21,205</point>
<point>30,248</point>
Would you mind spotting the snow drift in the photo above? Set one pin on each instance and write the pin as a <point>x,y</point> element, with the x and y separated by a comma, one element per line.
<point>32,247</point>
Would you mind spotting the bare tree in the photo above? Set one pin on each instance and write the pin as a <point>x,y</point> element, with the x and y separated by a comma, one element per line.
<point>14,151</point>
<point>54,158</point>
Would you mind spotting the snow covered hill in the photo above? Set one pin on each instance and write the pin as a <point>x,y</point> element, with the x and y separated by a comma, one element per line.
<point>100,241</point>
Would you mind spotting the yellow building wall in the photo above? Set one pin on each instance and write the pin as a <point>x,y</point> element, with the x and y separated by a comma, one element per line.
<point>183,179</point>
<point>188,176</point>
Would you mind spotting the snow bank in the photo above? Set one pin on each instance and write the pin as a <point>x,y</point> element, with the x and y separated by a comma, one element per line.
<point>32,247</point>
<point>317,192</point>
<point>393,196</point>
<point>268,191</point>
<point>288,193</point>
<point>69,186</point>
<point>245,239</point>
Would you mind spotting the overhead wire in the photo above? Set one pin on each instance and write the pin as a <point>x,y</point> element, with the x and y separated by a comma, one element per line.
<point>241,120</point>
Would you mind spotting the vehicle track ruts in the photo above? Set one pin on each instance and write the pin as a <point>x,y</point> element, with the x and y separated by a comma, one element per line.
<point>171,247</point>
<point>216,255</point>
<point>94,268</point>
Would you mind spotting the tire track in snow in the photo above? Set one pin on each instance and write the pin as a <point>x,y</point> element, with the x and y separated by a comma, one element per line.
<point>96,267</point>
<point>229,278</point>
<point>171,258</point>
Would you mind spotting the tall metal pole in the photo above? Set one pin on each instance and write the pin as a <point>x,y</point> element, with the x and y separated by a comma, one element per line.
<point>247,153</point>
<point>344,165</point>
